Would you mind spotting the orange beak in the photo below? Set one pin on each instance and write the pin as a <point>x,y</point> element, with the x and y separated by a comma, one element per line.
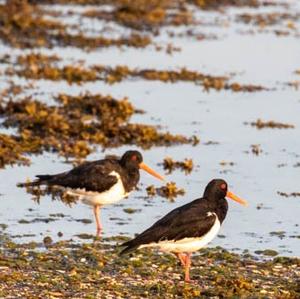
<point>236,198</point>
<point>151,171</point>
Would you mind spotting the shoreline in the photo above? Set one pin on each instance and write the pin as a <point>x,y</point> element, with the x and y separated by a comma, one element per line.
<point>66,269</point>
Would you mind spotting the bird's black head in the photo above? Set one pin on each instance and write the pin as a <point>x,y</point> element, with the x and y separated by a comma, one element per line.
<point>131,159</point>
<point>216,188</point>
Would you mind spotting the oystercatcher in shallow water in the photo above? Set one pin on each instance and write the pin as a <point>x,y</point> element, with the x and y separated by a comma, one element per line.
<point>189,227</point>
<point>101,182</point>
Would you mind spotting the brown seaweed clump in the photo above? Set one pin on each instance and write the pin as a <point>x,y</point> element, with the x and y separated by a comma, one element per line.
<point>25,25</point>
<point>296,83</point>
<point>151,4</point>
<point>146,15</point>
<point>260,124</point>
<point>207,81</point>
<point>227,163</point>
<point>170,165</point>
<point>11,151</point>
<point>236,87</point>
<point>169,191</point>
<point>22,25</point>
<point>265,21</point>
<point>292,194</point>
<point>256,149</point>
<point>150,15</point>
<point>77,123</point>
<point>268,19</point>
<point>55,192</point>
<point>37,66</point>
<point>214,4</point>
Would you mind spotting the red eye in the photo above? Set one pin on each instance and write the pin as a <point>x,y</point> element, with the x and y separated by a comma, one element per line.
<point>133,158</point>
<point>223,186</point>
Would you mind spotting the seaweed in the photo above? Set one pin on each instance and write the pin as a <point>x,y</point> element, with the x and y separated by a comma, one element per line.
<point>170,165</point>
<point>37,66</point>
<point>11,151</point>
<point>292,194</point>
<point>260,124</point>
<point>169,191</point>
<point>25,25</point>
<point>66,269</point>
<point>75,125</point>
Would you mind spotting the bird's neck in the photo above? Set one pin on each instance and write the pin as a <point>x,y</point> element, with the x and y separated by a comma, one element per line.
<point>218,206</point>
<point>131,178</point>
<point>221,209</point>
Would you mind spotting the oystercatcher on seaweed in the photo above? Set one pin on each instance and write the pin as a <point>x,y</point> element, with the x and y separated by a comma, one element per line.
<point>101,182</point>
<point>189,227</point>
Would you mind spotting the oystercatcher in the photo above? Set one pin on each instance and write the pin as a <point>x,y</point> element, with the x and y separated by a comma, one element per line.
<point>189,227</point>
<point>100,182</point>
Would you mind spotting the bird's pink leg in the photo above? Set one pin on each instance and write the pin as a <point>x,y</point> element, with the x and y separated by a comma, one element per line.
<point>181,257</point>
<point>98,222</point>
<point>187,267</point>
<point>185,259</point>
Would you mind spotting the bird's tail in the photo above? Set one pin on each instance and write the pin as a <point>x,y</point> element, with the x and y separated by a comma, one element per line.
<point>129,246</point>
<point>42,179</point>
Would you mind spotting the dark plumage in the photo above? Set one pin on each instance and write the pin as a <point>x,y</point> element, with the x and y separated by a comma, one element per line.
<point>189,227</point>
<point>95,175</point>
<point>99,182</point>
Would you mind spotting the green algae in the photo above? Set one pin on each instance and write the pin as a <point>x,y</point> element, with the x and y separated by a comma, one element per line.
<point>267,252</point>
<point>131,210</point>
<point>90,270</point>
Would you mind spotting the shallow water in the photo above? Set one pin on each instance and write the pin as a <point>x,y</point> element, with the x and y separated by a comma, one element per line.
<point>185,108</point>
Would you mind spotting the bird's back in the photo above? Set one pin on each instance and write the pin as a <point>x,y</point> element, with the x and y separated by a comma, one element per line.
<point>192,220</point>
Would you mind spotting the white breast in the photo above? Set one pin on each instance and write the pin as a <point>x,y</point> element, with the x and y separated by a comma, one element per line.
<point>187,244</point>
<point>113,195</point>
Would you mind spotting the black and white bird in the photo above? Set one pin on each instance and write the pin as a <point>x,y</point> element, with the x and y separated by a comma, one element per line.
<point>100,182</point>
<point>190,227</point>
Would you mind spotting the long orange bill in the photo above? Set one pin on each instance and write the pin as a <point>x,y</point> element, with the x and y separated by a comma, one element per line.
<point>236,198</point>
<point>151,171</point>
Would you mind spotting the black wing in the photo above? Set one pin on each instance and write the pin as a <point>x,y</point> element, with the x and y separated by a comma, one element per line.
<point>93,176</point>
<point>191,220</point>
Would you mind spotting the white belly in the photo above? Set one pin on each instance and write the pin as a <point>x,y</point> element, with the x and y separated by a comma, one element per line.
<point>113,195</point>
<point>187,244</point>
